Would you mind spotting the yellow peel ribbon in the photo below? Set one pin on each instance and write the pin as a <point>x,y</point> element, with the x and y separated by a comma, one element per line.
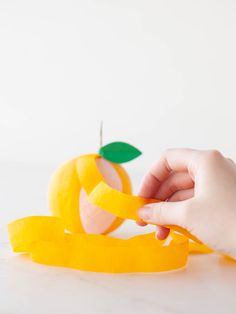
<point>124,205</point>
<point>47,242</point>
<point>44,238</point>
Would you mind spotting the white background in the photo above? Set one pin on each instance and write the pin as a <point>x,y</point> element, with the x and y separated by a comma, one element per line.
<point>159,73</point>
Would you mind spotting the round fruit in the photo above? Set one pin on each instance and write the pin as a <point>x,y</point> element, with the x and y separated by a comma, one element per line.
<point>73,181</point>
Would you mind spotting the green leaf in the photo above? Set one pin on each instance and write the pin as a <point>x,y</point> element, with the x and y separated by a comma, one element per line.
<point>119,152</point>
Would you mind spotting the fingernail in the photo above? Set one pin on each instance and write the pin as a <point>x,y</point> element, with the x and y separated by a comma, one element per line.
<point>145,213</point>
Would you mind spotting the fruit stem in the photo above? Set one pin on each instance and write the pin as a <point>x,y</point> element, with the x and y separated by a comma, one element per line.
<point>101,133</point>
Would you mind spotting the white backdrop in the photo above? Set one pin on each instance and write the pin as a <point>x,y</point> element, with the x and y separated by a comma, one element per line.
<point>159,73</point>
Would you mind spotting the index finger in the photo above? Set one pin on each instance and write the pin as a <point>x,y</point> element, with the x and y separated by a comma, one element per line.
<point>171,160</point>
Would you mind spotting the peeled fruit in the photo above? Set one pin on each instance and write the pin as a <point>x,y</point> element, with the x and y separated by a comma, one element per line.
<point>69,188</point>
<point>94,219</point>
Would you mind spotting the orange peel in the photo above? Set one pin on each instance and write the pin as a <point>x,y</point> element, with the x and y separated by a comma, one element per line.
<point>47,241</point>
<point>52,246</point>
<point>124,205</point>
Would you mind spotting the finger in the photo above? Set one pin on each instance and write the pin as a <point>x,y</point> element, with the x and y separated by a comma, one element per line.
<point>149,186</point>
<point>165,213</point>
<point>141,223</point>
<point>181,195</point>
<point>175,182</point>
<point>162,232</point>
<point>181,160</point>
<point>231,160</point>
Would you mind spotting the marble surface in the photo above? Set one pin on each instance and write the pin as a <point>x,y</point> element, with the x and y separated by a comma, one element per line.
<point>206,285</point>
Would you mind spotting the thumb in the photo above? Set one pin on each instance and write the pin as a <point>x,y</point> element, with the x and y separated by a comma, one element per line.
<point>164,213</point>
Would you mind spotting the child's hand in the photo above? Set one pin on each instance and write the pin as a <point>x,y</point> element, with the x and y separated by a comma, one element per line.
<point>200,187</point>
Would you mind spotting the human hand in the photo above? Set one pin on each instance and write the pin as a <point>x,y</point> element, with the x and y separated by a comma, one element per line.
<point>197,190</point>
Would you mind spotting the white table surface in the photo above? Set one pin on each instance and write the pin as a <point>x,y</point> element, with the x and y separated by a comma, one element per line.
<point>206,285</point>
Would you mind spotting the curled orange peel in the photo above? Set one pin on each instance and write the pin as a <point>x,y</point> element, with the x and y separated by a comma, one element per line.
<point>124,205</point>
<point>46,240</point>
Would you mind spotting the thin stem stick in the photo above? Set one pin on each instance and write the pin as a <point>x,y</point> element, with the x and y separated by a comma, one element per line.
<point>101,133</point>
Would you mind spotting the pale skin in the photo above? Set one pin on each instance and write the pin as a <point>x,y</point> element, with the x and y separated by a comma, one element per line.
<point>197,190</point>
